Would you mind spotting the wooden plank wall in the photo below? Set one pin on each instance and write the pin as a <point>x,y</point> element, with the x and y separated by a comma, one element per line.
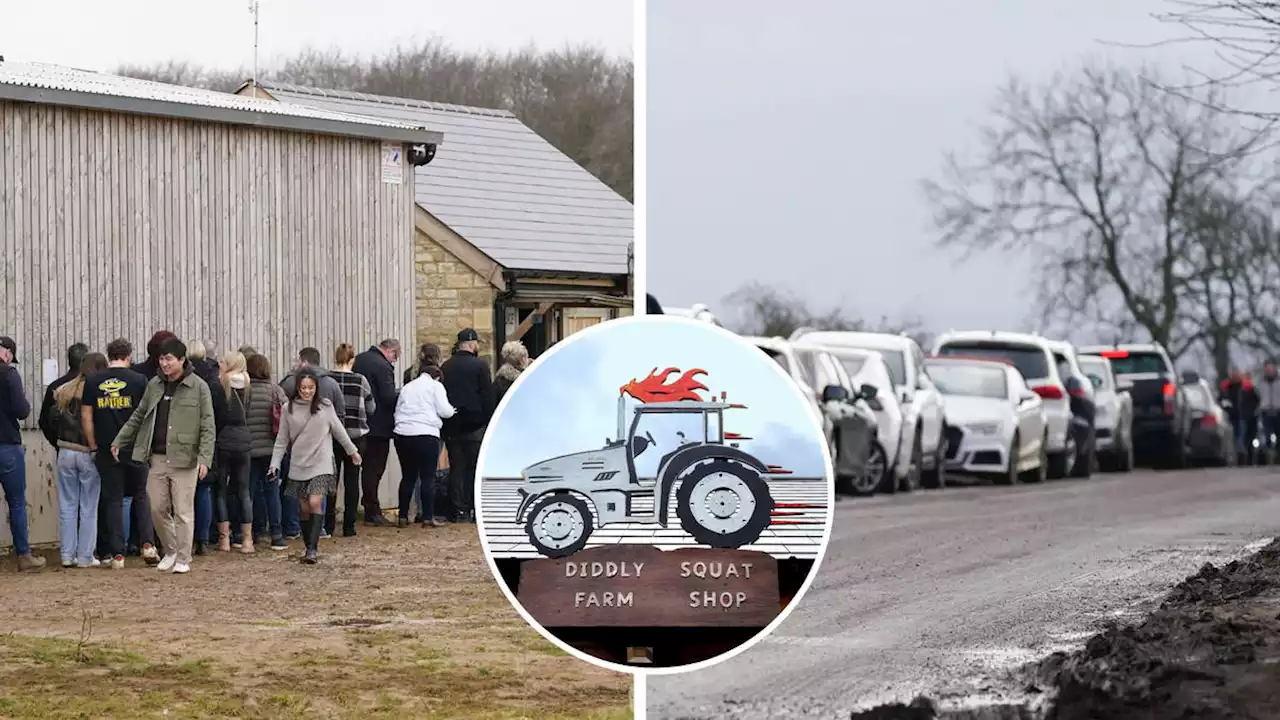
<point>119,225</point>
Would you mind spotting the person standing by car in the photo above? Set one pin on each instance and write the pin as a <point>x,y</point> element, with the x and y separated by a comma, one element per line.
<point>308,423</point>
<point>14,408</point>
<point>173,431</point>
<point>420,413</point>
<point>470,388</point>
<point>1269,408</point>
<point>110,397</point>
<point>377,364</point>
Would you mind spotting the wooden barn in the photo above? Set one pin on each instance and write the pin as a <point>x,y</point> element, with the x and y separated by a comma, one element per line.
<point>128,206</point>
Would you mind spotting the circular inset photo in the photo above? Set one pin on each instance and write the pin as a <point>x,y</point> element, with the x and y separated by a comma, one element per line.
<point>654,494</point>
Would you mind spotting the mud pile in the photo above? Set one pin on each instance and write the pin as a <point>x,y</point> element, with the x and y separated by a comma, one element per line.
<point>1210,651</point>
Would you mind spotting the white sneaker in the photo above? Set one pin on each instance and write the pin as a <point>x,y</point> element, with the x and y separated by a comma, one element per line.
<point>181,568</point>
<point>68,563</point>
<point>93,563</point>
<point>167,562</point>
<point>117,563</point>
<point>149,555</point>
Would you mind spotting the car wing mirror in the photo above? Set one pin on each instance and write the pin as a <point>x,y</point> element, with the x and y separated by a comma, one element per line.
<point>834,393</point>
<point>874,403</point>
<point>1027,397</point>
<point>639,444</point>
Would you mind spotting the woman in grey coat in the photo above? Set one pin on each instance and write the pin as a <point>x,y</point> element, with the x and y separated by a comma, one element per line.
<point>306,428</point>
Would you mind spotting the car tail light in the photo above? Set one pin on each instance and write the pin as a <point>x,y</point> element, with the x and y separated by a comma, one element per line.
<point>1115,354</point>
<point>1050,392</point>
<point>1076,391</point>
<point>1170,390</point>
<point>1208,421</point>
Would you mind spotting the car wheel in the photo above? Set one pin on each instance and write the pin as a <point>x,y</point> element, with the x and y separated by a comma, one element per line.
<point>872,478</point>
<point>1010,476</point>
<point>559,525</point>
<point>912,480</point>
<point>1041,471</point>
<point>936,479</point>
<point>1060,464</point>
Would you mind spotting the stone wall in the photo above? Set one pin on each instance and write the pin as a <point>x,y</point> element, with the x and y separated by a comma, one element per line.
<point>449,296</point>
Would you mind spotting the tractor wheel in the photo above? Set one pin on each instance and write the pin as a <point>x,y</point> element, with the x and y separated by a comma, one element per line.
<point>559,525</point>
<point>724,504</point>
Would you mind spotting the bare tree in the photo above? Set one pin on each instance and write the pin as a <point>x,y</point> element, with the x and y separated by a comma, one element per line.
<point>764,310</point>
<point>1092,175</point>
<point>579,98</point>
<point>1245,35</point>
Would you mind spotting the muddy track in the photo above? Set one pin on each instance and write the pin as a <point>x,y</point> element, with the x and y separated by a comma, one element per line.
<point>1211,650</point>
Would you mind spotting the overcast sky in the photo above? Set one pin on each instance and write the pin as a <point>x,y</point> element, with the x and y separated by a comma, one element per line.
<point>567,402</point>
<point>98,35</point>
<point>787,141</point>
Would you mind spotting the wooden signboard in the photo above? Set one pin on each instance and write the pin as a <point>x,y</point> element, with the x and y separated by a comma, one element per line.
<point>642,586</point>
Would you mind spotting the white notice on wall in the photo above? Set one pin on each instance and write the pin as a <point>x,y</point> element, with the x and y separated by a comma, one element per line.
<point>49,371</point>
<point>392,163</point>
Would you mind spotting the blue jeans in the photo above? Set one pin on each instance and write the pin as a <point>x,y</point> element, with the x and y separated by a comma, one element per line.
<point>204,509</point>
<point>79,486</point>
<point>1243,434</point>
<point>13,481</point>
<point>266,499</point>
<point>128,517</point>
<point>290,520</point>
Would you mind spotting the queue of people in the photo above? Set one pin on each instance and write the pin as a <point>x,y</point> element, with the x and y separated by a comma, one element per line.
<point>185,453</point>
<point>1253,406</point>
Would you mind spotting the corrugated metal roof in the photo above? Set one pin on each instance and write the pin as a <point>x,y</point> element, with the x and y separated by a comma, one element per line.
<point>57,85</point>
<point>501,186</point>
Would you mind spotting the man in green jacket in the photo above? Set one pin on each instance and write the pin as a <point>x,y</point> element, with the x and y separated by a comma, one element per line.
<point>173,431</point>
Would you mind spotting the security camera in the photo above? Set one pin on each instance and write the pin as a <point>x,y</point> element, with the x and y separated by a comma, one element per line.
<point>423,154</point>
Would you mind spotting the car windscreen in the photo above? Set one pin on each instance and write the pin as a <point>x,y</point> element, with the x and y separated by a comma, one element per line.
<point>1137,363</point>
<point>973,380</point>
<point>1197,397</point>
<point>1030,360</point>
<point>852,365</point>
<point>897,363</point>
<point>1097,370</point>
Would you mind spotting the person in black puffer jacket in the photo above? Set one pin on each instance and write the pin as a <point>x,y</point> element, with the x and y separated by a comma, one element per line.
<point>468,382</point>
<point>208,372</point>
<point>235,442</point>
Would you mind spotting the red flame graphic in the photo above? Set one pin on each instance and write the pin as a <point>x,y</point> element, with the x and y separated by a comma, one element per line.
<point>655,388</point>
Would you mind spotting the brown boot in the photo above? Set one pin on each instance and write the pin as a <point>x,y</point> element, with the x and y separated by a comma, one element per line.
<point>224,536</point>
<point>246,532</point>
<point>30,562</point>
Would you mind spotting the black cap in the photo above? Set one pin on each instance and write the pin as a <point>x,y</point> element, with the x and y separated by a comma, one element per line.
<point>7,343</point>
<point>468,335</point>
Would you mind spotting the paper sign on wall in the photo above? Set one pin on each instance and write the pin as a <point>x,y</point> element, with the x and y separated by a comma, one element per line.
<point>49,371</point>
<point>392,163</point>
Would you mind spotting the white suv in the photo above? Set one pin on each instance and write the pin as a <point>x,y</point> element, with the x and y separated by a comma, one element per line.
<point>922,407</point>
<point>1033,355</point>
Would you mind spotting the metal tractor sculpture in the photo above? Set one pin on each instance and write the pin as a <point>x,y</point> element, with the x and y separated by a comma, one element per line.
<point>721,497</point>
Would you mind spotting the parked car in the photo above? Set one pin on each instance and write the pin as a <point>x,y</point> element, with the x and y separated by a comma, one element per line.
<point>1161,412</point>
<point>1084,409</point>
<point>996,424</point>
<point>889,463</point>
<point>922,405</point>
<point>848,423</point>
<point>1113,423</point>
<point>1212,439</point>
<point>697,312</point>
<point>1033,358</point>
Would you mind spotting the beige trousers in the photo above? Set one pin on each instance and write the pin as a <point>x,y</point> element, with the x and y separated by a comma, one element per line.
<point>172,491</point>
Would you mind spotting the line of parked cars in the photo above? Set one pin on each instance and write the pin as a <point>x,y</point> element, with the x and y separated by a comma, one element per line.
<point>1007,406</point>
<point>1010,407</point>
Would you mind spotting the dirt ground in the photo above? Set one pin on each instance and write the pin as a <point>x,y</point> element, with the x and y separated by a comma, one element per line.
<point>390,622</point>
<point>1211,651</point>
